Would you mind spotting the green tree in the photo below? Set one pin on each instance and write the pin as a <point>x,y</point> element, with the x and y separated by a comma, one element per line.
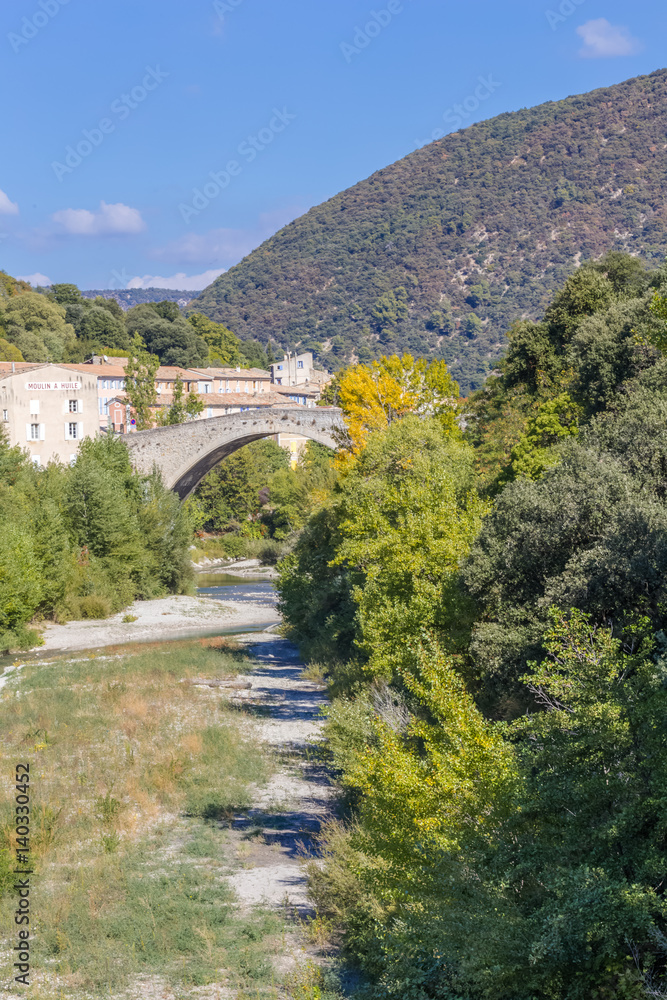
<point>140,383</point>
<point>36,326</point>
<point>99,326</point>
<point>556,420</point>
<point>167,334</point>
<point>229,493</point>
<point>390,309</point>
<point>252,354</point>
<point>9,352</point>
<point>194,405</point>
<point>441,320</point>
<point>385,552</point>
<point>588,534</point>
<point>65,294</point>
<point>224,347</point>
<point>591,908</point>
<point>21,586</point>
<point>472,326</point>
<point>180,409</point>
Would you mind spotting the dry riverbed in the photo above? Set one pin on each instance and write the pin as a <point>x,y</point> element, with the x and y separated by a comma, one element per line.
<point>164,618</point>
<point>279,707</point>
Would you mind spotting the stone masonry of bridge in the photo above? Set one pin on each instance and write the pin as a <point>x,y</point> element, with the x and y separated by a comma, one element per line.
<point>186,452</point>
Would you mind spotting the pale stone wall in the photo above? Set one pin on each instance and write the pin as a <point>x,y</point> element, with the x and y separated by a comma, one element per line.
<point>48,410</point>
<point>186,452</point>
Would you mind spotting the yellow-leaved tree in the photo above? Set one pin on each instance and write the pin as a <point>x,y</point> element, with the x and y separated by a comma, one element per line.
<point>373,396</point>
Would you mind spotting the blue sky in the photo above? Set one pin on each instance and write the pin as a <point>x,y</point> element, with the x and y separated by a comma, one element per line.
<point>116,114</point>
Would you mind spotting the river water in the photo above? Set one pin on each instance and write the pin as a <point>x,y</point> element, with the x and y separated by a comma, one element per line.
<point>223,587</point>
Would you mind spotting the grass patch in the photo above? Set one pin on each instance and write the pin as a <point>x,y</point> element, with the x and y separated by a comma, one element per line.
<point>315,672</point>
<point>133,774</point>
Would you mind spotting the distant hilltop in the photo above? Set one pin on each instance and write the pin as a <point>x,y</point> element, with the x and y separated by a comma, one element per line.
<point>128,297</point>
<point>440,253</point>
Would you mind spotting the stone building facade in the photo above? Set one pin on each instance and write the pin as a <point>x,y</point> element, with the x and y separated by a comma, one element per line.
<point>47,409</point>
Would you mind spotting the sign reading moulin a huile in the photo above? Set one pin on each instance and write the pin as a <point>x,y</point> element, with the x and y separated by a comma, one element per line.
<point>41,386</point>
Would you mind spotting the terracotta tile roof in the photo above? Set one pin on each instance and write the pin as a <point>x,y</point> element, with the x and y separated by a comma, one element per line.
<point>166,373</point>
<point>31,366</point>
<point>224,399</point>
<point>102,371</point>
<point>232,373</point>
<point>19,366</point>
<point>169,372</point>
<point>297,390</point>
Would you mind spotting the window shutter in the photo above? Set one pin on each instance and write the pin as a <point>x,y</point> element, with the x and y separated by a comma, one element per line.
<point>79,430</point>
<point>27,432</point>
<point>79,406</point>
<point>67,437</point>
<point>42,432</point>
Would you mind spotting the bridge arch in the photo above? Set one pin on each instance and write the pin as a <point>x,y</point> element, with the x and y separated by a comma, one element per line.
<point>185,453</point>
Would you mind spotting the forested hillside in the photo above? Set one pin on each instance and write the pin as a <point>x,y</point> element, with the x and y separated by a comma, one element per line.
<point>442,251</point>
<point>60,324</point>
<point>490,606</point>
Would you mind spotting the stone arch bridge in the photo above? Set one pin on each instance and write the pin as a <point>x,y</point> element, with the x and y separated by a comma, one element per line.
<point>186,452</point>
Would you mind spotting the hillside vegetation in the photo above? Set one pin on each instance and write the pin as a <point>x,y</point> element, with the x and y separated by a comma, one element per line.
<point>441,252</point>
<point>490,605</point>
<point>61,325</point>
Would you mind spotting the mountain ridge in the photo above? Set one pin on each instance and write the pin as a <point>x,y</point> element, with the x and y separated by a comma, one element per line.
<point>440,252</point>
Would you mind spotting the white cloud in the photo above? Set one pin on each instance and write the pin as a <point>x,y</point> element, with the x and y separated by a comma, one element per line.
<point>225,246</point>
<point>7,207</point>
<point>35,279</point>
<point>603,40</point>
<point>177,282</point>
<point>110,220</point>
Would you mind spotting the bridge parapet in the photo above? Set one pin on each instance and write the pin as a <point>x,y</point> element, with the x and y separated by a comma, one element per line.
<point>186,452</point>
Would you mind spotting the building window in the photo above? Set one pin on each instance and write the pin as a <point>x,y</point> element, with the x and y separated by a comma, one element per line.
<point>300,364</point>
<point>73,431</point>
<point>34,432</point>
<point>279,381</point>
<point>5,415</point>
<point>74,406</point>
<point>36,460</point>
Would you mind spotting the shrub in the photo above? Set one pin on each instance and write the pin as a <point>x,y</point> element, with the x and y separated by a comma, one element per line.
<point>93,606</point>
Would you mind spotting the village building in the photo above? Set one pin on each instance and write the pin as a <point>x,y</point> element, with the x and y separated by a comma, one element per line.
<point>47,409</point>
<point>229,380</point>
<point>298,369</point>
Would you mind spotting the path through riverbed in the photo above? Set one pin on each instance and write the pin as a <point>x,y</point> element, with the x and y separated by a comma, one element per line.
<point>273,836</point>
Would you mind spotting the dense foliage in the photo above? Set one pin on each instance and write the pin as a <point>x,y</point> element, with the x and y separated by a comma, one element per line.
<point>255,493</point>
<point>84,540</point>
<point>59,324</point>
<point>490,606</point>
<point>439,253</point>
